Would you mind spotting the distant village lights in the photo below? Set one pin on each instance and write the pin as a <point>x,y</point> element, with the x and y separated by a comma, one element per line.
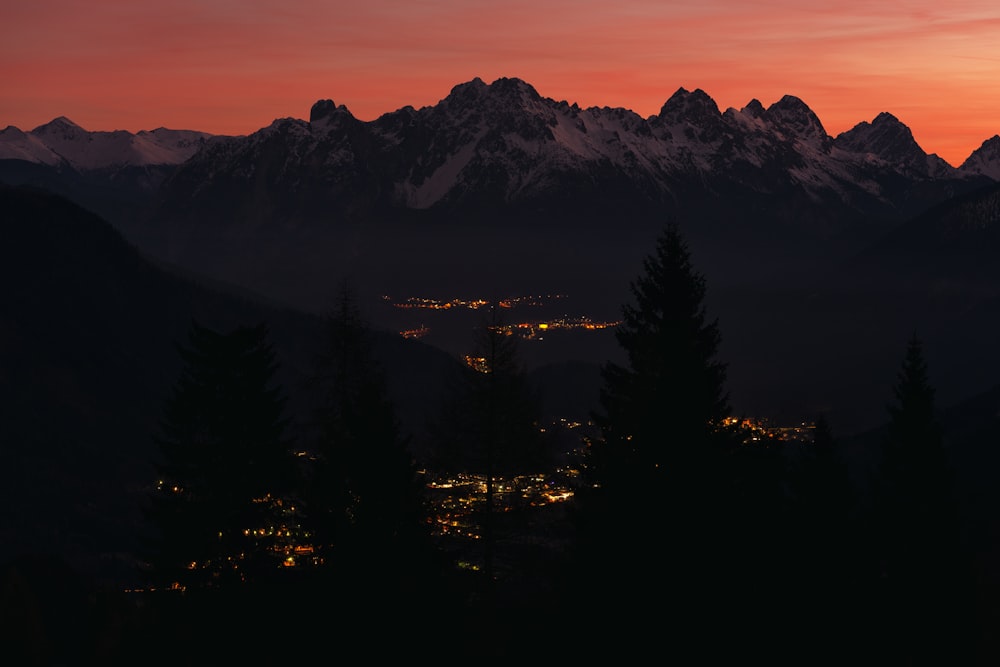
<point>530,329</point>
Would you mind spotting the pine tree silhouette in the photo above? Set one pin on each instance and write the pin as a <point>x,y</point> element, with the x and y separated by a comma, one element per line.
<point>922,570</point>
<point>490,419</point>
<point>822,553</point>
<point>673,381</point>
<point>489,427</point>
<point>365,501</point>
<point>663,484</point>
<point>225,464</point>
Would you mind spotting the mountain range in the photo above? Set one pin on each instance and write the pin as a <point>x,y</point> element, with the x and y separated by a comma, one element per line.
<point>493,171</point>
<point>808,241</point>
<point>89,333</point>
<point>504,144</point>
<point>822,256</point>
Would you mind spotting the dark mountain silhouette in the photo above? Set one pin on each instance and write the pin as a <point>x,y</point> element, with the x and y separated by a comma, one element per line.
<point>938,272</point>
<point>968,430</point>
<point>888,140</point>
<point>495,182</point>
<point>498,190</point>
<point>88,332</point>
<point>109,172</point>
<point>89,329</point>
<point>955,240</point>
<point>985,160</point>
<point>821,255</point>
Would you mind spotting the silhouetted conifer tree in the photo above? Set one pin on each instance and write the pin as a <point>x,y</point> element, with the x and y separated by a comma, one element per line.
<point>490,426</point>
<point>673,381</point>
<point>676,516</point>
<point>922,570</point>
<point>225,464</point>
<point>662,414</point>
<point>366,501</point>
<point>491,418</point>
<point>826,505</point>
<point>822,552</point>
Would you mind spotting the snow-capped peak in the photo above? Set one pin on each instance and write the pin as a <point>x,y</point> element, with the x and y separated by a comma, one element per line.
<point>689,106</point>
<point>985,160</point>
<point>62,140</point>
<point>754,108</point>
<point>18,145</point>
<point>791,115</point>
<point>889,140</point>
<point>60,124</point>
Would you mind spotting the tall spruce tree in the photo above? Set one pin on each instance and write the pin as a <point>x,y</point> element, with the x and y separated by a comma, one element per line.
<point>667,405</point>
<point>662,415</point>
<point>489,426</point>
<point>654,515</point>
<point>491,416</point>
<point>366,501</point>
<point>922,569</point>
<point>225,464</point>
<point>821,552</point>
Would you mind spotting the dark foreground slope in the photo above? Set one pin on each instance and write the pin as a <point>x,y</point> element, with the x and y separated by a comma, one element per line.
<point>88,331</point>
<point>88,335</point>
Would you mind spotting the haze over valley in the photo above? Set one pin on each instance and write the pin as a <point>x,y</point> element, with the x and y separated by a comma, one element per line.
<point>496,209</point>
<point>816,261</point>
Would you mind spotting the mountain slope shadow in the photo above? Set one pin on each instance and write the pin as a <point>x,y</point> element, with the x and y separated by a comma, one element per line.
<point>88,337</point>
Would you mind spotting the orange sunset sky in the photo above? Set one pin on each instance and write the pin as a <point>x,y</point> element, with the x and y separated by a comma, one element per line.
<point>233,66</point>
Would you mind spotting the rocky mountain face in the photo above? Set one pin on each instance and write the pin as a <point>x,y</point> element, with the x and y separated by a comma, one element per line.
<point>63,142</point>
<point>822,254</point>
<point>113,173</point>
<point>90,332</point>
<point>503,152</point>
<point>497,190</point>
<point>985,160</point>
<point>955,241</point>
<point>497,183</point>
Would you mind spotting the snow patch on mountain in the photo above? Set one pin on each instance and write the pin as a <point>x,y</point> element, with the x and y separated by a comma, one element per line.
<point>499,144</point>
<point>985,160</point>
<point>62,140</point>
<point>887,142</point>
<point>795,121</point>
<point>440,182</point>
<point>18,145</point>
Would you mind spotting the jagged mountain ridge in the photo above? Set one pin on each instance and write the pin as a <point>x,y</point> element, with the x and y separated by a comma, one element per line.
<point>496,183</point>
<point>89,358</point>
<point>955,241</point>
<point>113,173</point>
<point>502,149</point>
<point>985,160</point>
<point>89,330</point>
<point>63,142</point>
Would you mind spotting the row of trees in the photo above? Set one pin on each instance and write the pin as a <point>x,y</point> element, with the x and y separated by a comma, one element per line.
<point>741,548</point>
<point>687,534</point>
<point>239,498</point>
<point>250,501</point>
